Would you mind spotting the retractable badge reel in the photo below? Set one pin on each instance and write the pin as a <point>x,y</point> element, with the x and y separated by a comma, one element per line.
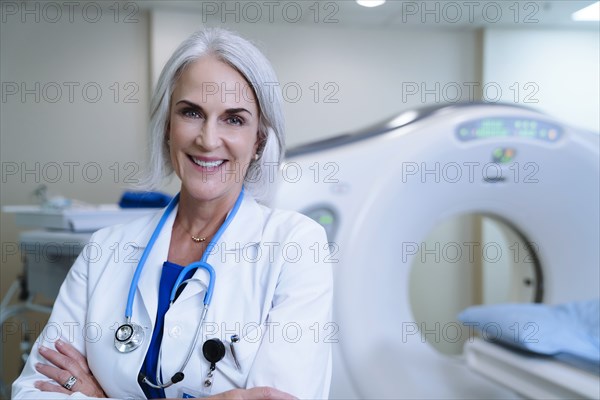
<point>214,351</point>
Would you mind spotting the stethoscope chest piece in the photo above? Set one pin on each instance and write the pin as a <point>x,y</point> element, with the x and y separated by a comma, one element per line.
<point>129,337</point>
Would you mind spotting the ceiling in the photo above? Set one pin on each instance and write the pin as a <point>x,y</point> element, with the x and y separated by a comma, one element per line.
<point>393,14</point>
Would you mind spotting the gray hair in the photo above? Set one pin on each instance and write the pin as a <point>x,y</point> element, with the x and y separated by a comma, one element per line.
<point>258,72</point>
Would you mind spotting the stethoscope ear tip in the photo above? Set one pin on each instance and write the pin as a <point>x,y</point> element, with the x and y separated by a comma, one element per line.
<point>178,377</point>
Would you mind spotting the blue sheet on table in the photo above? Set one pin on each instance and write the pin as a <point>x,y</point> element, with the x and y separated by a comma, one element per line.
<point>569,332</point>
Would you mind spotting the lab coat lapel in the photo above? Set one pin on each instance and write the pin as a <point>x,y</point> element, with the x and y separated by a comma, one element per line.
<point>148,285</point>
<point>244,230</point>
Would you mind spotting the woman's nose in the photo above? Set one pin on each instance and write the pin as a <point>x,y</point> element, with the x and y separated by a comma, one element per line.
<point>208,137</point>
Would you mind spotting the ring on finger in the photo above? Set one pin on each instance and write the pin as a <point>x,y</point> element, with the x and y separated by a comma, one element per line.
<point>70,382</point>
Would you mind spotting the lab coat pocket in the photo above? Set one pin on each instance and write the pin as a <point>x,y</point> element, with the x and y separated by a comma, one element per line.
<point>241,349</point>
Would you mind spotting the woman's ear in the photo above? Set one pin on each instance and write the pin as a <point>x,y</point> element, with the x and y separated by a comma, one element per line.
<point>258,144</point>
<point>168,133</point>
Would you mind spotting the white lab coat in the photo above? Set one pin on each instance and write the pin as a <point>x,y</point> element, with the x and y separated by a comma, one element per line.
<point>273,288</point>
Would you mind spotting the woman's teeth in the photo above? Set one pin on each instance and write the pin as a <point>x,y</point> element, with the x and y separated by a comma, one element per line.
<point>208,164</point>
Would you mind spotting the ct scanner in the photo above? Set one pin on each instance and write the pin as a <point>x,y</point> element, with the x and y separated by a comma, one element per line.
<point>381,191</point>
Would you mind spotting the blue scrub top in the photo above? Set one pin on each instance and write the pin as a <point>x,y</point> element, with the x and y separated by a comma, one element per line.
<point>170,272</point>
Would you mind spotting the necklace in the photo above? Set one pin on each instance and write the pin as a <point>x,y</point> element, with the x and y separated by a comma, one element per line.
<point>195,239</point>
<point>198,239</point>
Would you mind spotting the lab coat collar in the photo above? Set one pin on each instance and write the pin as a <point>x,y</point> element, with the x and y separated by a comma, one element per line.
<point>244,230</point>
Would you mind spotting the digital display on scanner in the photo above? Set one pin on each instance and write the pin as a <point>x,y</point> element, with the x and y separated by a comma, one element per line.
<point>501,127</point>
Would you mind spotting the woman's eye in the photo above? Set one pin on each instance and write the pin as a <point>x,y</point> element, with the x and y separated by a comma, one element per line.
<point>235,120</point>
<point>190,113</point>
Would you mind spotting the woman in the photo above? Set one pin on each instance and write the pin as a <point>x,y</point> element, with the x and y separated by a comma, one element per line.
<point>218,125</point>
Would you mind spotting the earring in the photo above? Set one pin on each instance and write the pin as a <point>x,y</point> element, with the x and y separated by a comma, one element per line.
<point>168,142</point>
<point>256,157</point>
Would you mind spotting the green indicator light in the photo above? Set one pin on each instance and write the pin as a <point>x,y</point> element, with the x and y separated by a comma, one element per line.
<point>464,132</point>
<point>326,219</point>
<point>503,155</point>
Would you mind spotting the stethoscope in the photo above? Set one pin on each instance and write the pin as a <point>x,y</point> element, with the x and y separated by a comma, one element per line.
<point>130,335</point>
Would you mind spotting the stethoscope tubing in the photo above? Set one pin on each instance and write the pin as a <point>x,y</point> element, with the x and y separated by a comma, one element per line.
<point>145,254</point>
<point>203,264</point>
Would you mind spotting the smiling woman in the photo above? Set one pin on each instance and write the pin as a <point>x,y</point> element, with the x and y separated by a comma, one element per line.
<point>245,325</point>
<point>245,80</point>
<point>213,134</point>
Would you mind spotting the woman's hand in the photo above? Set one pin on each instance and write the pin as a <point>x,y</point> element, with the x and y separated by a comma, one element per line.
<point>67,362</point>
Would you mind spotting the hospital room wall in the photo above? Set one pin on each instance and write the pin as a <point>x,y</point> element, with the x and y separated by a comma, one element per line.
<point>553,70</point>
<point>77,144</point>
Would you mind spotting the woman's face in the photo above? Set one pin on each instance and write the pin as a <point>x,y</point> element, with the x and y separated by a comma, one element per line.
<point>213,129</point>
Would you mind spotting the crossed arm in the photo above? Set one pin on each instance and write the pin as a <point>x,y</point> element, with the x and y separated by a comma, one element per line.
<point>67,362</point>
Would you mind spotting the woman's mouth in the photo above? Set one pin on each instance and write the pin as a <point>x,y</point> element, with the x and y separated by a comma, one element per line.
<point>207,165</point>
